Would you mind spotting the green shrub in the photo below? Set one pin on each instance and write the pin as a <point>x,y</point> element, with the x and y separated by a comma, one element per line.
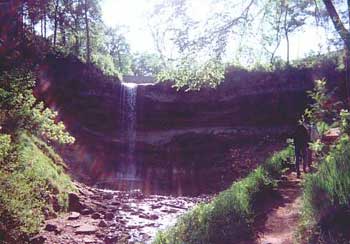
<point>326,196</point>
<point>229,216</point>
<point>5,145</point>
<point>28,187</point>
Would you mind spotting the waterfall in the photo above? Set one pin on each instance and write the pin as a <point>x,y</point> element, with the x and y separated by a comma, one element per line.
<point>128,128</point>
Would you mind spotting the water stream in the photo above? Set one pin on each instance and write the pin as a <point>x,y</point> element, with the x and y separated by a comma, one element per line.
<point>128,169</point>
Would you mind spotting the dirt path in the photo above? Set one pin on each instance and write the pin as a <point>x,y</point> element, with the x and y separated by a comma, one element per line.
<point>281,218</point>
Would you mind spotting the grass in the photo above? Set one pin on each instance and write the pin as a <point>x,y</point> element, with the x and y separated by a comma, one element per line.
<point>229,216</point>
<point>29,184</point>
<point>326,198</point>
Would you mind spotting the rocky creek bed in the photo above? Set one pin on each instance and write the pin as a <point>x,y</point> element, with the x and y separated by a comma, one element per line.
<point>104,216</point>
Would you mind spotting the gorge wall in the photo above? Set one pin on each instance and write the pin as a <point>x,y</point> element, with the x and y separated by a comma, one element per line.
<point>178,133</point>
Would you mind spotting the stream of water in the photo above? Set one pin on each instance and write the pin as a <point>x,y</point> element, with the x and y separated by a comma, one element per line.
<point>128,168</point>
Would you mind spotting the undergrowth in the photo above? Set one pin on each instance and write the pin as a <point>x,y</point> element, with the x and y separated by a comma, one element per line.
<point>229,216</point>
<point>30,185</point>
<point>326,198</point>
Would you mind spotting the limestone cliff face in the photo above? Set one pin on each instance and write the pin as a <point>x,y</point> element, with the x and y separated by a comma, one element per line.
<point>244,98</point>
<point>195,127</point>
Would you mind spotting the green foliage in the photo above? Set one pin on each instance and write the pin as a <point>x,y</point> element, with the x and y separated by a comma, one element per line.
<point>27,187</point>
<point>146,64</point>
<point>5,146</point>
<point>324,109</point>
<point>326,196</point>
<point>23,111</point>
<point>344,121</point>
<point>228,217</point>
<point>194,75</point>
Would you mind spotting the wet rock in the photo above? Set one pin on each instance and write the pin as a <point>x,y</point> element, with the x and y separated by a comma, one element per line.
<point>115,203</point>
<point>111,239</point>
<point>88,240</point>
<point>86,229</point>
<point>38,239</point>
<point>155,206</point>
<point>96,216</point>
<point>74,225</point>
<point>137,194</point>
<point>102,223</point>
<point>124,238</point>
<point>50,227</point>
<point>74,203</point>
<point>86,211</point>
<point>108,196</point>
<point>109,216</point>
<point>74,216</point>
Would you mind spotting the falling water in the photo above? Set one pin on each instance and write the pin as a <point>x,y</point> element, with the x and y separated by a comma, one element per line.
<point>128,129</point>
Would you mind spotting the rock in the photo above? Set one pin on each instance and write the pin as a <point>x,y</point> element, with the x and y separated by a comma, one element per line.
<point>74,225</point>
<point>102,223</point>
<point>150,217</point>
<point>88,240</point>
<point>108,196</point>
<point>74,203</point>
<point>100,235</point>
<point>50,227</point>
<point>137,194</point>
<point>74,216</point>
<point>109,216</point>
<point>49,214</point>
<point>111,239</point>
<point>86,211</point>
<point>86,229</point>
<point>54,202</point>
<point>38,239</point>
<point>155,206</point>
<point>96,216</point>
<point>124,238</point>
<point>116,203</point>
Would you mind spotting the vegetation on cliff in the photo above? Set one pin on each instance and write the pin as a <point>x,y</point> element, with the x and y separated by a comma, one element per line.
<point>33,182</point>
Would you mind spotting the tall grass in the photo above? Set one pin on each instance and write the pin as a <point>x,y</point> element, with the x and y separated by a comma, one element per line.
<point>229,216</point>
<point>28,183</point>
<point>326,198</point>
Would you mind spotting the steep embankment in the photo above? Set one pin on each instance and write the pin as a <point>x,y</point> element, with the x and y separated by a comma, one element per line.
<point>34,187</point>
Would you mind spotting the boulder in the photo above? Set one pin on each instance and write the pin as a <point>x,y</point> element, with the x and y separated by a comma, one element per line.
<point>38,239</point>
<point>102,223</point>
<point>86,229</point>
<point>109,216</point>
<point>74,204</point>
<point>74,216</point>
<point>51,227</point>
<point>95,216</point>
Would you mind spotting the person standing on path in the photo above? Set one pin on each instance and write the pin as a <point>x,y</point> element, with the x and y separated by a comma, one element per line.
<point>301,139</point>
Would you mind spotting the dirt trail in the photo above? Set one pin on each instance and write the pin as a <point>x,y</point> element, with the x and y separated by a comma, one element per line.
<point>281,218</point>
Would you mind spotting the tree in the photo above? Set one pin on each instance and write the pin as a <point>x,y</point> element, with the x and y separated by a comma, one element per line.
<point>118,48</point>
<point>344,33</point>
<point>146,64</point>
<point>87,28</point>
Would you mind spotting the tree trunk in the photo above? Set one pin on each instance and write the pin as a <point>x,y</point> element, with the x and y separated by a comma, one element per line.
<point>41,27</point>
<point>338,24</point>
<point>45,22</point>
<point>88,51</point>
<point>55,25</point>
<point>286,31</point>
<point>62,29</point>
<point>345,36</point>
